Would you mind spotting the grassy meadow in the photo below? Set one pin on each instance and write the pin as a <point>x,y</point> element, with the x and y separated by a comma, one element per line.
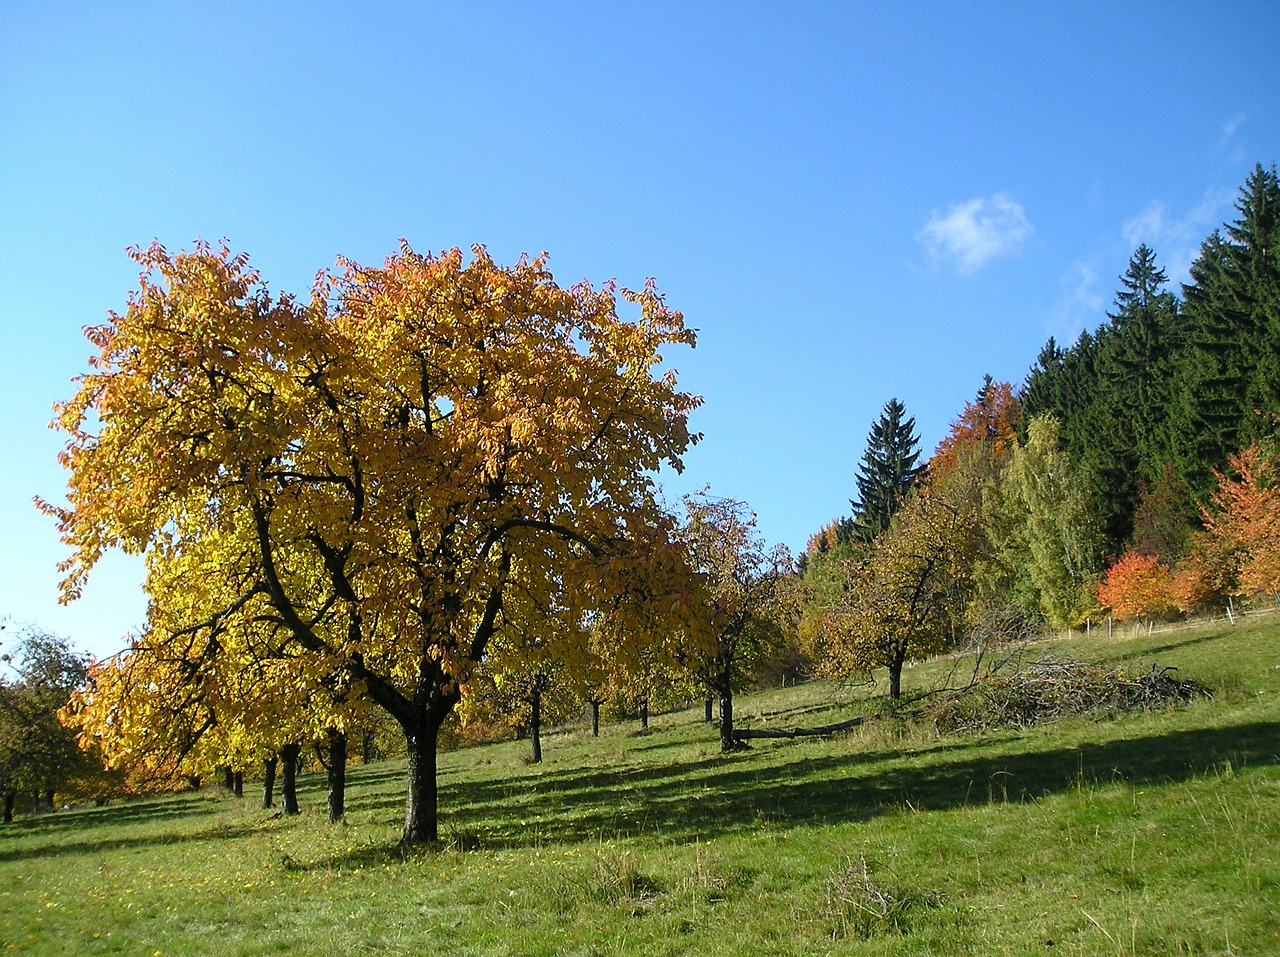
<point>1150,833</point>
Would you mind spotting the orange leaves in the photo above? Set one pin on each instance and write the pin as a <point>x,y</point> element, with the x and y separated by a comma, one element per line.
<point>992,420</point>
<point>1245,520</point>
<point>1138,586</point>
<point>1236,553</point>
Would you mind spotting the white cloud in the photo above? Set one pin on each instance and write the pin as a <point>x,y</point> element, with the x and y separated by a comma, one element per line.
<point>973,233</point>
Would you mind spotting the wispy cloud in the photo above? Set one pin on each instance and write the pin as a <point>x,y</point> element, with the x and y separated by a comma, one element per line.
<point>1227,140</point>
<point>1079,306</point>
<point>971,234</point>
<point>1176,239</point>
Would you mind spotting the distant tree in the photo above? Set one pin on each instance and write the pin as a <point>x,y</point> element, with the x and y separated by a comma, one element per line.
<point>529,699</point>
<point>1238,552</point>
<point>1138,586</point>
<point>1163,519</point>
<point>38,756</point>
<point>991,419</point>
<point>743,581</point>
<point>1228,381</point>
<point>908,596</point>
<point>886,473</point>
<point>1129,417</point>
<point>1057,521</point>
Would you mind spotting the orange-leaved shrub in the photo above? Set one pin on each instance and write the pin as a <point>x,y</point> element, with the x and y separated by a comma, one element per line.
<point>1138,586</point>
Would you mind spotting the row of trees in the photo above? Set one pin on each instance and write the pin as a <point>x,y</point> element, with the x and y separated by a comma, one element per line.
<point>431,484</point>
<point>1112,481</point>
<point>127,712</point>
<point>1154,401</point>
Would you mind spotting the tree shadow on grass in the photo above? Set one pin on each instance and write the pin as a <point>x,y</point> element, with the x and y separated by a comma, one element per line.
<point>129,811</point>
<point>1174,644</point>
<point>105,844</point>
<point>691,801</point>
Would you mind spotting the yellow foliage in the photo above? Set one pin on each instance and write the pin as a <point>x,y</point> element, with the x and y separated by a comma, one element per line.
<point>353,496</point>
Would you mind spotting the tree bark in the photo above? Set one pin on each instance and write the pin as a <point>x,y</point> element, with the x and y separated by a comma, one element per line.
<point>228,778</point>
<point>421,824</point>
<point>644,712</point>
<point>9,798</point>
<point>238,784</point>
<point>595,718</point>
<point>48,798</point>
<point>269,781</point>
<point>709,703</point>
<point>727,741</point>
<point>337,775</point>
<point>535,722</point>
<point>895,674</point>
<point>289,786</point>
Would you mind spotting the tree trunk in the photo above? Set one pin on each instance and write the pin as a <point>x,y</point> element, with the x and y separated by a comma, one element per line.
<point>644,712</point>
<point>48,798</point>
<point>238,784</point>
<point>595,718</point>
<point>269,781</point>
<point>9,798</point>
<point>421,824</point>
<point>289,786</point>
<point>366,749</point>
<point>228,778</point>
<point>895,674</point>
<point>727,741</point>
<point>707,710</point>
<point>535,722</point>
<point>337,775</point>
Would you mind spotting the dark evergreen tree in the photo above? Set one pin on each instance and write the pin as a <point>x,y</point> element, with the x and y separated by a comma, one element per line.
<point>1041,391</point>
<point>1147,334</point>
<point>1129,414</point>
<point>1157,398</point>
<point>1255,259</point>
<point>888,469</point>
<point>1228,379</point>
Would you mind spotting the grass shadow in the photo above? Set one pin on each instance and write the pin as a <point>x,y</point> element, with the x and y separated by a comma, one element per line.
<point>103,845</point>
<point>702,799</point>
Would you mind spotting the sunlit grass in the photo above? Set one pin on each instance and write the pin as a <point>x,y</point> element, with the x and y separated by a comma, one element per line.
<point>1152,834</point>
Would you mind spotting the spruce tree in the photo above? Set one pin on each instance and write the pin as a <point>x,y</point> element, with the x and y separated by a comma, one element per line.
<point>1229,379</point>
<point>887,471</point>
<point>1135,364</point>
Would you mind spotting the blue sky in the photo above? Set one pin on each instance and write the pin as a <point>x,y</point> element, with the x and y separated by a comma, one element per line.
<point>851,201</point>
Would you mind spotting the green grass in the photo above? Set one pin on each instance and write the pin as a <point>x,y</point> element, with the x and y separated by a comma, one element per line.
<point>1152,834</point>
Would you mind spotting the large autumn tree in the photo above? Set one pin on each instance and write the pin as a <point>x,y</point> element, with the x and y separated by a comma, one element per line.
<point>383,467</point>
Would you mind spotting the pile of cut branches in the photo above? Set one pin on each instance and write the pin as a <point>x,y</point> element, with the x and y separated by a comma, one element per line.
<point>1046,690</point>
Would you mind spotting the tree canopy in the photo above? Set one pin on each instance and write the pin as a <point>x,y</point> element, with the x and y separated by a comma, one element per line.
<point>377,481</point>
